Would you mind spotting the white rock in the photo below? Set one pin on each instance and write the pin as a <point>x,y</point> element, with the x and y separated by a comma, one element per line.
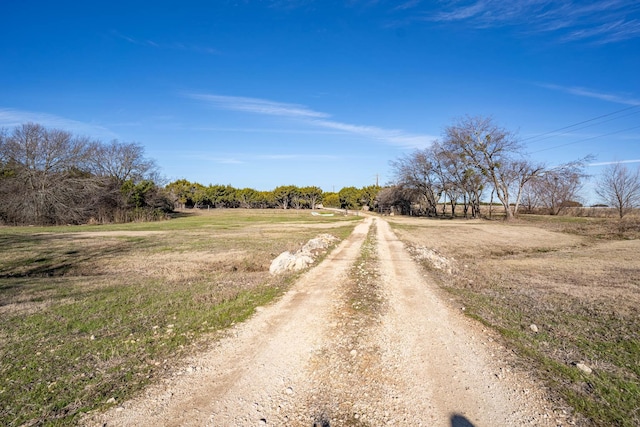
<point>584,368</point>
<point>288,261</point>
<point>301,262</point>
<point>321,242</point>
<point>438,261</point>
<point>281,263</point>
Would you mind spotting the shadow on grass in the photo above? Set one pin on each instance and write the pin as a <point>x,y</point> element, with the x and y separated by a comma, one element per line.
<point>182,214</point>
<point>48,255</point>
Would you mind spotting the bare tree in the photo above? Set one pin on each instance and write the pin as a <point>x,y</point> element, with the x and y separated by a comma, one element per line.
<point>557,188</point>
<point>519,173</point>
<point>620,187</point>
<point>417,172</point>
<point>3,140</point>
<point>49,176</point>
<point>121,161</point>
<point>460,180</point>
<point>445,168</point>
<point>488,148</point>
<point>530,200</point>
<point>44,182</point>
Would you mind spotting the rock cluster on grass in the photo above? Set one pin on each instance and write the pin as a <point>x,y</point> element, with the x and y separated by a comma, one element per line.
<point>288,261</point>
<point>438,261</point>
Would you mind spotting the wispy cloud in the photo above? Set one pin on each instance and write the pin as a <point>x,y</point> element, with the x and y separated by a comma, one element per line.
<point>297,157</point>
<point>318,119</point>
<point>223,160</point>
<point>599,22</point>
<point>475,11</point>
<point>394,136</point>
<point>409,4</point>
<point>11,118</point>
<point>614,162</point>
<point>261,130</point>
<point>590,93</point>
<point>606,33</point>
<point>258,106</point>
<point>172,46</point>
<point>244,158</point>
<point>227,161</point>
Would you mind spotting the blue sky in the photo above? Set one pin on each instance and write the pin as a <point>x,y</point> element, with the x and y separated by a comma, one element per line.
<point>308,92</point>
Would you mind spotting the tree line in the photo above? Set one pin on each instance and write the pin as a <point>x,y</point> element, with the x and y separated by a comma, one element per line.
<point>53,177</point>
<point>478,160</point>
<point>50,176</point>
<point>194,195</point>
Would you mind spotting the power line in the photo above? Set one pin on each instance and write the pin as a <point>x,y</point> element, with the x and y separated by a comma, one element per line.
<point>552,133</point>
<point>586,139</point>
<point>582,122</point>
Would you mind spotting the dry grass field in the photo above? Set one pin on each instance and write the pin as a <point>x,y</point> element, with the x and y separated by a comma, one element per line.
<point>91,314</point>
<point>576,279</point>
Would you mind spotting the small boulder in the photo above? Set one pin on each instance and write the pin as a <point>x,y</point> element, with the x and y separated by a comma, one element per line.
<point>318,244</point>
<point>282,263</point>
<point>301,261</point>
<point>584,368</point>
<point>303,258</point>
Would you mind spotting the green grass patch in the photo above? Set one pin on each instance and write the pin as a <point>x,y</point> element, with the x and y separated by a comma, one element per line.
<point>91,313</point>
<point>92,344</point>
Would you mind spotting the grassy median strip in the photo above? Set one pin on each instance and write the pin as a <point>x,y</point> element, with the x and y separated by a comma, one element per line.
<point>352,355</point>
<point>364,294</point>
<point>90,315</point>
<point>564,295</point>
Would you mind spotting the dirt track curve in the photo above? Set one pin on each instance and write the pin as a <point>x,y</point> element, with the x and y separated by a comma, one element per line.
<point>312,359</point>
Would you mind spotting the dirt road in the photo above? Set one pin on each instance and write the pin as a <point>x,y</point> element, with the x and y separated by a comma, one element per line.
<point>336,351</point>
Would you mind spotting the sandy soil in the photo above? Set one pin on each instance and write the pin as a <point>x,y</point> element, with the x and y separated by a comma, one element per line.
<point>308,360</point>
